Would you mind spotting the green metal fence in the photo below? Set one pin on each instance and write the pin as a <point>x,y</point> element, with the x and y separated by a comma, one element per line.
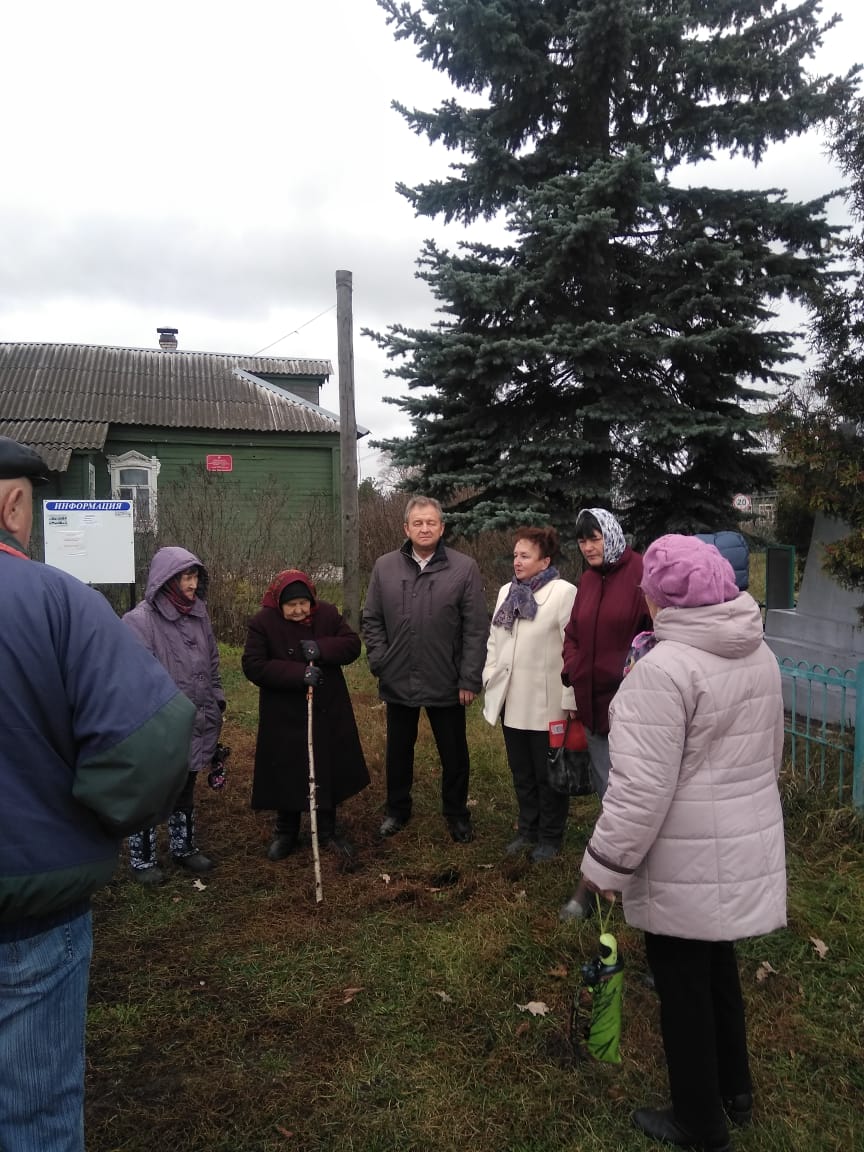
<point>825,726</point>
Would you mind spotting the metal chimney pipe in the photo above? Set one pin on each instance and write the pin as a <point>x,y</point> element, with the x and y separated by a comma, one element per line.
<point>168,339</point>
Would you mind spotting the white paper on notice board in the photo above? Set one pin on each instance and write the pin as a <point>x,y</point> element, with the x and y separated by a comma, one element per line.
<point>91,539</point>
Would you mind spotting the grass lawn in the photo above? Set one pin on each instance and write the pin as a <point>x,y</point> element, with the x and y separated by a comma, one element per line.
<point>243,1017</point>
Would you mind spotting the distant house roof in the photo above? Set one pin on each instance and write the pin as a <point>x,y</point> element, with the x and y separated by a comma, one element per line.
<point>60,397</point>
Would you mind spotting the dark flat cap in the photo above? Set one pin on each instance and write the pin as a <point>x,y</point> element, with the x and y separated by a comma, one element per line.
<point>19,460</point>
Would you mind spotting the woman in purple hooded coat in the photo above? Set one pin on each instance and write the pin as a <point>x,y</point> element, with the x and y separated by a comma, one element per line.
<point>173,624</point>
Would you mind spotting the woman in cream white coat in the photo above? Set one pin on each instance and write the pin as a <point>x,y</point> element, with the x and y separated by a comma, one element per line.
<point>522,683</point>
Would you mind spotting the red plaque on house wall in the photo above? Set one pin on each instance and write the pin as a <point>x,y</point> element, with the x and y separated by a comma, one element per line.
<point>220,463</point>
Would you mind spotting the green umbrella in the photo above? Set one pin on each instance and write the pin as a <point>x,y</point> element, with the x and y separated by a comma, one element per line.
<point>604,978</point>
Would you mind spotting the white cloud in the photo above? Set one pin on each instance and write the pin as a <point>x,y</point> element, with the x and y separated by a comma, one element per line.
<point>209,166</point>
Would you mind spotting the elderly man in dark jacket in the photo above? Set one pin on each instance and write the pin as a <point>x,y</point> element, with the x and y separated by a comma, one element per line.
<point>93,743</point>
<point>425,625</point>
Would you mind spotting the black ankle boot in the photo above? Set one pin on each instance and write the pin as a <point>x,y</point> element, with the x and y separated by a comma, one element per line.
<point>282,845</point>
<point>184,849</point>
<point>739,1109</point>
<point>660,1124</point>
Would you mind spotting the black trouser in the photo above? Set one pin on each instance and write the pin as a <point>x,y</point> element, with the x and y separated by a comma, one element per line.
<point>704,1033</point>
<point>448,728</point>
<point>184,801</point>
<point>542,811</point>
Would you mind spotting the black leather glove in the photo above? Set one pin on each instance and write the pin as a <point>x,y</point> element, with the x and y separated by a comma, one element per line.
<point>310,650</point>
<point>313,676</point>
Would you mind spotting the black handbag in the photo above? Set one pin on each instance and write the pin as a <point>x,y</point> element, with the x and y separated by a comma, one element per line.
<point>569,769</point>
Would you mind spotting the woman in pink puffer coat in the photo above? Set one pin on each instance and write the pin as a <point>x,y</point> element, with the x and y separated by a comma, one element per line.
<point>691,831</point>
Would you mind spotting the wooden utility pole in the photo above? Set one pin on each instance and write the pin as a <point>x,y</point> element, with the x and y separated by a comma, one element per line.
<point>348,448</point>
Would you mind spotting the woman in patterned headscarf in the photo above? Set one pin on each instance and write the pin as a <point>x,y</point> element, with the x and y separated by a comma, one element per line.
<point>608,612</point>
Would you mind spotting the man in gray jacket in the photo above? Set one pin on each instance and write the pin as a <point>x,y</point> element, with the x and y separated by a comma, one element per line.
<point>425,626</point>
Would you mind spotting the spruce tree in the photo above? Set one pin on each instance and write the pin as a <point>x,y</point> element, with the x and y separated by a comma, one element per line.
<point>614,349</point>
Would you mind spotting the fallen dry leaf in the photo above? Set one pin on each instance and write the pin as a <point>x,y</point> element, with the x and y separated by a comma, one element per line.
<point>385,876</point>
<point>200,885</point>
<point>284,1132</point>
<point>445,999</point>
<point>522,1028</point>
<point>559,971</point>
<point>820,946</point>
<point>535,1007</point>
<point>349,994</point>
<point>764,971</point>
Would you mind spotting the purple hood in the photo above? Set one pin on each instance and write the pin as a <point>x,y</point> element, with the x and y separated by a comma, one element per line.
<point>170,562</point>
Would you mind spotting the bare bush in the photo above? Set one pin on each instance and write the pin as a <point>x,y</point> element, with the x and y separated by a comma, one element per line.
<point>242,539</point>
<point>493,552</point>
<point>382,519</point>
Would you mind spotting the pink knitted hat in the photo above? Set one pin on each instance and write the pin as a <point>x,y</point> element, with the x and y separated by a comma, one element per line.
<point>683,572</point>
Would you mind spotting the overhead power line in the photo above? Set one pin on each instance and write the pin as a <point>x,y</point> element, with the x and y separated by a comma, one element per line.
<point>294,331</point>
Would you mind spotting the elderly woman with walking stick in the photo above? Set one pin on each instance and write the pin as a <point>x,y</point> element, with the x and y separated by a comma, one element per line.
<point>296,643</point>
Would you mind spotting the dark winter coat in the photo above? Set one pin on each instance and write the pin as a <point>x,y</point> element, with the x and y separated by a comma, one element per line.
<point>426,631</point>
<point>185,646</point>
<point>93,743</point>
<point>734,547</point>
<point>272,659</point>
<point>608,612</point>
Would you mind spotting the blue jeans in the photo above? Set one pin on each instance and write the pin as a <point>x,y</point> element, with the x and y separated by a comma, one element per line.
<point>43,1007</point>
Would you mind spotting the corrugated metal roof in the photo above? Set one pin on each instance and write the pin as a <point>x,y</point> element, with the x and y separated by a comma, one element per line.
<point>54,440</point>
<point>60,433</point>
<point>96,384</point>
<point>56,459</point>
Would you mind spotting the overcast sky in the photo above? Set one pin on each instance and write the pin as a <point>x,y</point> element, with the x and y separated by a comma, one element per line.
<point>208,166</point>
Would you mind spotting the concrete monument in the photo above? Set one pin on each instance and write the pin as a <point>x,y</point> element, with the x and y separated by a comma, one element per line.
<point>824,627</point>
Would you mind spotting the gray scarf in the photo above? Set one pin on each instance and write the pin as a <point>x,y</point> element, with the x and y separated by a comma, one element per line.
<point>520,599</point>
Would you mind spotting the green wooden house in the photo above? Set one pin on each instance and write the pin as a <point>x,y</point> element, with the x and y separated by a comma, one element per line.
<point>132,423</point>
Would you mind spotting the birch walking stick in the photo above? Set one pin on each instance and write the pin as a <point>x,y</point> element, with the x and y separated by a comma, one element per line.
<point>313,795</point>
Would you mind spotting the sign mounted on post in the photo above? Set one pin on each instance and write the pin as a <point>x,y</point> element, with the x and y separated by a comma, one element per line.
<point>220,463</point>
<point>742,503</point>
<point>90,539</point>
